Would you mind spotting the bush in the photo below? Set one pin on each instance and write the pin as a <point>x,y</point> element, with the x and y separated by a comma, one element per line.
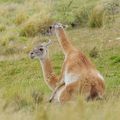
<point>21,17</point>
<point>39,18</point>
<point>73,12</point>
<point>86,13</point>
<point>112,8</point>
<point>96,18</point>
<point>35,24</point>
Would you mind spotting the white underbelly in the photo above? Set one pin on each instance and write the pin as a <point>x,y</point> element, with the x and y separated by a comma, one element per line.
<point>70,78</point>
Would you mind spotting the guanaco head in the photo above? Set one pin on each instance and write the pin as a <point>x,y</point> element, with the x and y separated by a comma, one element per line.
<point>40,51</point>
<point>56,26</point>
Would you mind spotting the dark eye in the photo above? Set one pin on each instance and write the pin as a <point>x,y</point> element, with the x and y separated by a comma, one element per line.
<point>41,49</point>
<point>50,27</point>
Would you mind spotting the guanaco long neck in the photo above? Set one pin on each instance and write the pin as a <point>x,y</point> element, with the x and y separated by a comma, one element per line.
<point>50,78</point>
<point>64,41</point>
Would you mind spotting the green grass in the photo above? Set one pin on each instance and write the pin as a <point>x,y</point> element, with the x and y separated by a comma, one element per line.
<point>22,77</point>
<point>24,93</point>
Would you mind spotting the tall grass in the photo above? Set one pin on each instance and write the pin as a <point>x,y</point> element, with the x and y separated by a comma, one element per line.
<point>80,111</point>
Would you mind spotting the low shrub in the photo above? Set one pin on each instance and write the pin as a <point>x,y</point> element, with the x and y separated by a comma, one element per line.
<point>96,18</point>
<point>35,24</point>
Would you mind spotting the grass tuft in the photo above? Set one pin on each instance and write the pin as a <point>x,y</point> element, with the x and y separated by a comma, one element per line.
<point>97,17</point>
<point>35,25</point>
<point>21,18</point>
<point>94,53</point>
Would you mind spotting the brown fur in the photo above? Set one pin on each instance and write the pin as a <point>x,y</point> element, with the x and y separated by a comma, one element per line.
<point>89,83</point>
<point>41,52</point>
<point>50,77</point>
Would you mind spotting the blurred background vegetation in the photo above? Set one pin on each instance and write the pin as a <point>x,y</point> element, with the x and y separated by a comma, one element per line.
<point>21,20</point>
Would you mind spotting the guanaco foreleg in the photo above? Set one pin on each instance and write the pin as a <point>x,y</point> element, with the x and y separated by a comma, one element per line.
<point>56,89</point>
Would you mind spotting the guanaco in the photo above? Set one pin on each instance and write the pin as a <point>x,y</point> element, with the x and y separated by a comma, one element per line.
<point>51,79</point>
<point>79,75</point>
<point>41,52</point>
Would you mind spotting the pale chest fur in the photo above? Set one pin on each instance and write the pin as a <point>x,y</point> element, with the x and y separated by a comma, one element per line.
<point>74,74</point>
<point>71,76</point>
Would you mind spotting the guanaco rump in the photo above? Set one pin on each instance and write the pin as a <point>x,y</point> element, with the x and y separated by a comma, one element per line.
<point>78,75</point>
<point>41,52</point>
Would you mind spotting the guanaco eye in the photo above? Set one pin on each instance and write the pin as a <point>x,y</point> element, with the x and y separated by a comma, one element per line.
<point>50,27</point>
<point>41,49</point>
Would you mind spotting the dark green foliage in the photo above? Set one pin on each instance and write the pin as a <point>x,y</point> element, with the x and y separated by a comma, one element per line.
<point>115,59</point>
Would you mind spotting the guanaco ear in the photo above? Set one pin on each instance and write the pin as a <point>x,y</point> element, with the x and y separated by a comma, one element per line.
<point>65,26</point>
<point>60,25</point>
<point>49,43</point>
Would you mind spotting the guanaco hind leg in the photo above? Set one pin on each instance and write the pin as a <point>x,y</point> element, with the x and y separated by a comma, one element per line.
<point>56,89</point>
<point>68,92</point>
<point>96,92</point>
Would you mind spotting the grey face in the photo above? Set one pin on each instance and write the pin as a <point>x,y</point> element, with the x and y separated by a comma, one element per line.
<point>55,26</point>
<point>40,51</point>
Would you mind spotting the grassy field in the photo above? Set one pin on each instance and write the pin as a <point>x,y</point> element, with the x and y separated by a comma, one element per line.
<point>94,28</point>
